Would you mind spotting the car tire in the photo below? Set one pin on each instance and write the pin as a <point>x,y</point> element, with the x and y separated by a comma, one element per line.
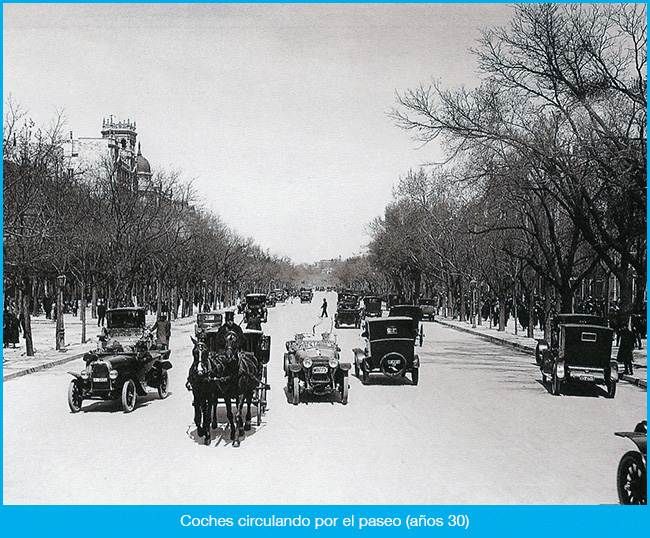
<point>356,368</point>
<point>75,396</point>
<point>345,387</point>
<point>365,376</point>
<point>163,386</point>
<point>544,378</point>
<point>296,391</point>
<point>631,479</point>
<point>415,376</point>
<point>610,385</point>
<point>556,384</point>
<point>129,396</point>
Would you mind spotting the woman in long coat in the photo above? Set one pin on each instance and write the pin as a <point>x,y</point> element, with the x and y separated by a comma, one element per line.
<point>10,328</point>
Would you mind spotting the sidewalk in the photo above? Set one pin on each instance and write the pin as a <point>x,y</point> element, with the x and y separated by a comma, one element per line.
<point>16,363</point>
<point>521,342</point>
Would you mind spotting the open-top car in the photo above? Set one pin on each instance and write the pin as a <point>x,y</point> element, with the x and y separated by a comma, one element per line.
<point>372,306</point>
<point>413,312</point>
<point>206,321</point>
<point>428,307</point>
<point>580,351</point>
<point>256,307</point>
<point>348,310</point>
<point>632,472</point>
<point>313,365</point>
<point>125,363</point>
<point>390,348</point>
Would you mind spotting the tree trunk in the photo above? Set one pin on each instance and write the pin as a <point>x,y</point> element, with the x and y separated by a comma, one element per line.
<point>502,313</point>
<point>93,308</point>
<point>531,313</point>
<point>82,314</point>
<point>463,313</point>
<point>25,304</point>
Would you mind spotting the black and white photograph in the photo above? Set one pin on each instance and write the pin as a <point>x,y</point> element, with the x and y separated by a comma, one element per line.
<point>324,254</point>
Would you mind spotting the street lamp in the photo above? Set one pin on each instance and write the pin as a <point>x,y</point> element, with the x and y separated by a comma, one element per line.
<point>60,327</point>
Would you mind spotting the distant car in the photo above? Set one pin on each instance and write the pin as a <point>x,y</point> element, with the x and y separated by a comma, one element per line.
<point>348,310</point>
<point>124,365</point>
<point>206,321</point>
<point>313,365</point>
<point>428,307</point>
<point>306,295</point>
<point>580,351</point>
<point>256,307</point>
<point>632,472</point>
<point>410,311</point>
<point>390,348</point>
<point>372,306</point>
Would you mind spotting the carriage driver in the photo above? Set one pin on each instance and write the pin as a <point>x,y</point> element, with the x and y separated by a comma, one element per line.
<point>227,327</point>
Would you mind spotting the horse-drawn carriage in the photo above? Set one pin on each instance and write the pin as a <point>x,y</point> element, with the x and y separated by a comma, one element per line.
<point>229,365</point>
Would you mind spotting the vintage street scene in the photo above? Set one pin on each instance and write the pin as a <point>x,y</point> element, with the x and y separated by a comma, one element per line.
<point>324,254</point>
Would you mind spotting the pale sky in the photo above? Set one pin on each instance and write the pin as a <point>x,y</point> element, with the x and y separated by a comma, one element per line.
<point>276,112</point>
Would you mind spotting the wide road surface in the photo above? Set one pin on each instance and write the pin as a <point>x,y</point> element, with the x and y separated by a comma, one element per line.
<point>480,428</point>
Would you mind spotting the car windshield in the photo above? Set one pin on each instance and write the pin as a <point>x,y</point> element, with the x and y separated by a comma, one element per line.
<point>125,319</point>
<point>255,300</point>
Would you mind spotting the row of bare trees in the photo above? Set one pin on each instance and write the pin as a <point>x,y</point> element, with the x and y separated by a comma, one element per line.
<point>112,238</point>
<point>545,185</point>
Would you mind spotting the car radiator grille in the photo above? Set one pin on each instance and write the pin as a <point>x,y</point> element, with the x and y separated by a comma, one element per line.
<point>99,379</point>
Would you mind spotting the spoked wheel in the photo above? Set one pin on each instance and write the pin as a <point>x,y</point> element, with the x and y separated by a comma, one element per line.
<point>556,384</point>
<point>296,391</point>
<point>163,385</point>
<point>129,396</point>
<point>345,387</point>
<point>631,479</point>
<point>75,396</point>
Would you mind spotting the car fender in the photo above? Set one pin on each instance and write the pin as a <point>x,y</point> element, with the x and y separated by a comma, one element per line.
<point>641,441</point>
<point>295,368</point>
<point>359,354</point>
<point>76,376</point>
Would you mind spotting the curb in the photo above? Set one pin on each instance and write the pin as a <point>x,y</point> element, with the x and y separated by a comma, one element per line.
<point>43,366</point>
<point>524,348</point>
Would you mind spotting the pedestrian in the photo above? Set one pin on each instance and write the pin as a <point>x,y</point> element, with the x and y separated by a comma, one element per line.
<point>324,309</point>
<point>625,350</point>
<point>101,313</point>
<point>10,328</point>
<point>163,329</point>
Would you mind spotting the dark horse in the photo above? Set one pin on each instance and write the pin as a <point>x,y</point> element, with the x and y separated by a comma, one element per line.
<point>247,383</point>
<point>200,381</point>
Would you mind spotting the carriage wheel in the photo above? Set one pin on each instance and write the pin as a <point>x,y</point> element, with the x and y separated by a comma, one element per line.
<point>296,391</point>
<point>163,385</point>
<point>75,396</point>
<point>345,387</point>
<point>129,396</point>
<point>556,384</point>
<point>631,479</point>
<point>260,407</point>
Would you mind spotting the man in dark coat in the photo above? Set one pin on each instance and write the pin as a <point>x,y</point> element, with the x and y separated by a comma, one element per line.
<point>101,314</point>
<point>323,313</point>
<point>10,328</point>
<point>163,328</point>
<point>625,350</point>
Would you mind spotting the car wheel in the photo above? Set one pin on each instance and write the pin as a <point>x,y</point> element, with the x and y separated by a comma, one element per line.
<point>129,396</point>
<point>611,387</point>
<point>544,378</point>
<point>365,376</point>
<point>163,385</point>
<point>538,356</point>
<point>75,396</point>
<point>345,387</point>
<point>631,479</point>
<point>415,375</point>
<point>296,391</point>
<point>337,324</point>
<point>356,368</point>
<point>556,384</point>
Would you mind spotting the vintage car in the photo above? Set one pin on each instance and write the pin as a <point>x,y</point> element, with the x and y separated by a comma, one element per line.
<point>372,306</point>
<point>428,307</point>
<point>390,348</point>
<point>313,365</point>
<point>394,299</point>
<point>580,351</point>
<point>124,365</point>
<point>206,321</point>
<point>256,307</point>
<point>413,312</point>
<point>632,472</point>
<point>306,295</point>
<point>348,310</point>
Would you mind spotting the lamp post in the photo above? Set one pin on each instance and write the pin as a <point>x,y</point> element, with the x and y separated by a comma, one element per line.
<point>60,327</point>
<point>473,284</point>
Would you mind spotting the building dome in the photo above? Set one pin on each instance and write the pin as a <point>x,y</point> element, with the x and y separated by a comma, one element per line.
<point>143,166</point>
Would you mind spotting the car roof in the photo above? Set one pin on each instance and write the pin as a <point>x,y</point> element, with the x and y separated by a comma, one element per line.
<point>390,319</point>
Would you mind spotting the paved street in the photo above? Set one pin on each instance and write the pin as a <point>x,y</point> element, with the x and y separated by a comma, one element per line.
<point>480,428</point>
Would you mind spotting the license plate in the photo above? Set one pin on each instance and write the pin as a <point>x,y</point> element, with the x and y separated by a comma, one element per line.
<point>586,377</point>
<point>100,379</point>
<point>320,369</point>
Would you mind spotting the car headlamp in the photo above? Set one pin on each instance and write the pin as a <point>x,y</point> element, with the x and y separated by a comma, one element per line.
<point>307,363</point>
<point>113,374</point>
<point>334,363</point>
<point>84,374</point>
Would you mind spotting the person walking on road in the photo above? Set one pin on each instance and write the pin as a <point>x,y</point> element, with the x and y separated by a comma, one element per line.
<point>625,350</point>
<point>101,314</point>
<point>323,313</point>
<point>163,328</point>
